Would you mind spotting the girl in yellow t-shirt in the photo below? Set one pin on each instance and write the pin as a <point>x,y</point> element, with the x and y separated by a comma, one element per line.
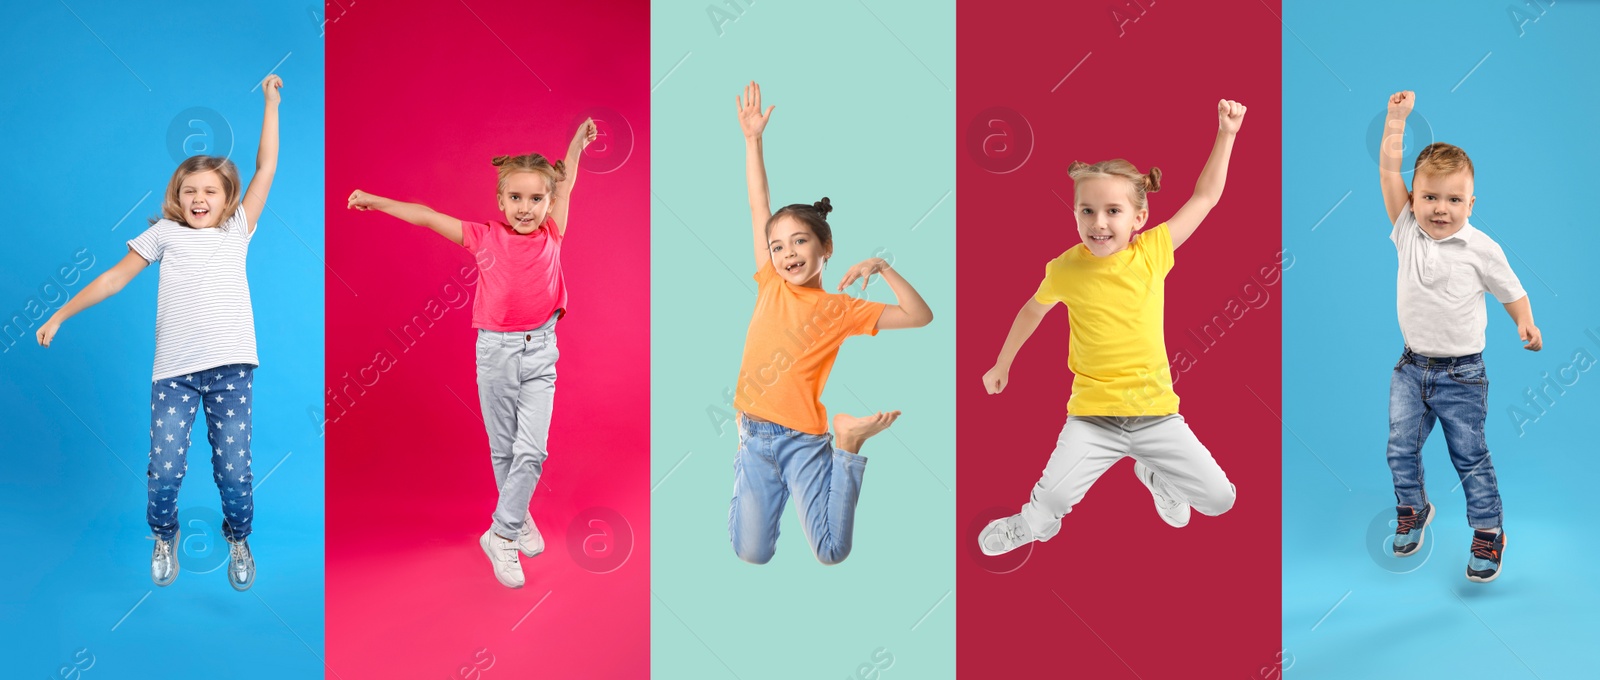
<point>1122,401</point>
<point>795,332</point>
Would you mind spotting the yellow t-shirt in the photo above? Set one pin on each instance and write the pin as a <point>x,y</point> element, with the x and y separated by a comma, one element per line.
<point>1118,351</point>
<point>793,339</point>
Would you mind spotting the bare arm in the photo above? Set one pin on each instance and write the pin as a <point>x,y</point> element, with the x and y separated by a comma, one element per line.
<point>753,122</point>
<point>255,197</point>
<point>909,310</point>
<point>415,213</point>
<point>103,286</point>
<point>1521,312</point>
<point>563,194</point>
<point>1021,329</point>
<point>1208,189</point>
<point>1390,148</point>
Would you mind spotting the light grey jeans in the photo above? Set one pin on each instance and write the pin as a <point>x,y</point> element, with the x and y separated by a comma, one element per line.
<point>1089,445</point>
<point>516,389</point>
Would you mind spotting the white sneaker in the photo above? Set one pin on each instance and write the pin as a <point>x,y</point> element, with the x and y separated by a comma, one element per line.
<point>530,542</point>
<point>1173,509</point>
<point>503,555</point>
<point>1004,535</point>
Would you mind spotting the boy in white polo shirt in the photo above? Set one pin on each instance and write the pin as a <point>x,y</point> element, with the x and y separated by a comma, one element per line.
<point>1445,268</point>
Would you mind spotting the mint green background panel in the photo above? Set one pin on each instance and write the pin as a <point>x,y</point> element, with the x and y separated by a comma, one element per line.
<point>865,97</point>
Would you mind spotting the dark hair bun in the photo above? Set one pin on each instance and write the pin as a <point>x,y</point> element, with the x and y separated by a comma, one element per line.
<point>823,206</point>
<point>1152,181</point>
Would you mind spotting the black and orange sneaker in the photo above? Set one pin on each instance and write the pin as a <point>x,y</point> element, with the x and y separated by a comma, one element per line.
<point>1487,547</point>
<point>1408,534</point>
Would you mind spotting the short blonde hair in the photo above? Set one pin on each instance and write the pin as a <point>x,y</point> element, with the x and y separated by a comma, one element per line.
<point>170,207</point>
<point>1441,159</point>
<point>1143,183</point>
<point>529,162</point>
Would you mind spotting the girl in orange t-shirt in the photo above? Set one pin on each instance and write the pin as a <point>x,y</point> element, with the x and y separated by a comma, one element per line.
<point>795,332</point>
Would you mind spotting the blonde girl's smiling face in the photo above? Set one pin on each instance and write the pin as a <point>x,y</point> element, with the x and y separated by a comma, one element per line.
<point>203,199</point>
<point>1106,214</point>
<point>796,252</point>
<point>525,200</point>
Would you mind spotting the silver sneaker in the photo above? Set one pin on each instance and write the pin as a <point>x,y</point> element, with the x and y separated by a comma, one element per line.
<point>241,565</point>
<point>1004,535</point>
<point>503,555</point>
<point>1173,509</point>
<point>530,542</point>
<point>164,561</point>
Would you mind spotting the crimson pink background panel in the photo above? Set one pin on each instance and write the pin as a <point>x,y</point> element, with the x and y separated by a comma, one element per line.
<point>1118,593</point>
<point>420,97</point>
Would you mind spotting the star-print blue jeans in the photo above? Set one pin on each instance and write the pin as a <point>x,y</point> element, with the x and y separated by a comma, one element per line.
<point>222,396</point>
<point>774,463</point>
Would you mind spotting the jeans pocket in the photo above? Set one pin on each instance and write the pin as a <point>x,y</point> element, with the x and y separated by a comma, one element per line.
<point>1469,374</point>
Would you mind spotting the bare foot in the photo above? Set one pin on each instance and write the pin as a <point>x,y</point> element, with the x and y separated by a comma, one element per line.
<point>851,432</point>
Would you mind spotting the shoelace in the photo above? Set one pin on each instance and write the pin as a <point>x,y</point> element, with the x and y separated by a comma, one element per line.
<point>237,552</point>
<point>163,548</point>
<point>1484,549</point>
<point>1408,523</point>
<point>1013,533</point>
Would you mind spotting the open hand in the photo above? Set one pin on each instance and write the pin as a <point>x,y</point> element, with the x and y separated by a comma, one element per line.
<point>269,88</point>
<point>864,271</point>
<point>751,120</point>
<point>1531,338</point>
<point>995,379</point>
<point>1401,103</point>
<point>1230,115</point>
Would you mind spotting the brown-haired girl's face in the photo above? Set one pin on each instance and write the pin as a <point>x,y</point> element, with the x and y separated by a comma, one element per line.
<point>1106,214</point>
<point>796,252</point>
<point>203,198</point>
<point>525,200</point>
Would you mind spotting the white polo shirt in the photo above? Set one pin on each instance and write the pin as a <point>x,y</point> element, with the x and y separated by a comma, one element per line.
<point>203,315</point>
<point>1439,292</point>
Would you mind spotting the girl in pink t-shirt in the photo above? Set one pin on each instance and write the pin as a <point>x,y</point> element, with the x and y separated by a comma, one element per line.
<point>521,294</point>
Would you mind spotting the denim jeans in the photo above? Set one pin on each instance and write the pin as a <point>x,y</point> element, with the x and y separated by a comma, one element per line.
<point>775,462</point>
<point>176,404</point>
<point>517,390</point>
<point>1455,392</point>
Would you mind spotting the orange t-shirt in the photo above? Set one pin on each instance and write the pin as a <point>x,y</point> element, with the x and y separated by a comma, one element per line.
<point>794,336</point>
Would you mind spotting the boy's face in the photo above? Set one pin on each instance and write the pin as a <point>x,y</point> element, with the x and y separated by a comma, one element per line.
<point>1106,218</point>
<point>796,251</point>
<point>202,198</point>
<point>525,201</point>
<point>1442,203</point>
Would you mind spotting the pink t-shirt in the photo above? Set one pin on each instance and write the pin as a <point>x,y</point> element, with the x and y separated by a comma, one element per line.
<point>519,275</point>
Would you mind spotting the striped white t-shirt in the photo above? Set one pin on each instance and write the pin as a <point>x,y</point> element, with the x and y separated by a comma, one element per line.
<point>203,315</point>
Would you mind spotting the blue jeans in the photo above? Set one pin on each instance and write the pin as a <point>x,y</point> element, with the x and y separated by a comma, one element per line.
<point>775,462</point>
<point>1455,392</point>
<point>176,403</point>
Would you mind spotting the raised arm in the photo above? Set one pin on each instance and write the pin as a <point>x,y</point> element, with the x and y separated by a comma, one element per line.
<point>563,195</point>
<point>909,310</point>
<point>255,197</point>
<point>415,213</point>
<point>1022,328</point>
<point>1390,148</point>
<point>752,121</point>
<point>1208,189</point>
<point>1521,312</point>
<point>103,286</point>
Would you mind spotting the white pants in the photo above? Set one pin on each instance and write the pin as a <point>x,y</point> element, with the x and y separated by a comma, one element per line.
<point>1089,445</point>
